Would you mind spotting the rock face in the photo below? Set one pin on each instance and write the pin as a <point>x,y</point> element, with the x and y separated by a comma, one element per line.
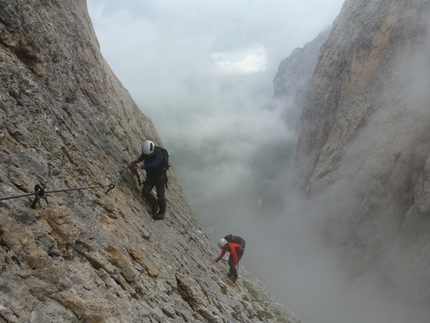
<point>67,122</point>
<point>364,148</point>
<point>292,79</point>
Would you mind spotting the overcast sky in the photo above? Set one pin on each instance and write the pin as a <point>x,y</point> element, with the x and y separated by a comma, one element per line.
<point>203,72</point>
<point>212,58</point>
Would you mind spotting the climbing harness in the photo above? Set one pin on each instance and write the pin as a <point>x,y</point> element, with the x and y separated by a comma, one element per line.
<point>40,193</point>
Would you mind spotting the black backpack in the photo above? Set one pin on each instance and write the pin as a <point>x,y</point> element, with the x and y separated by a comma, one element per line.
<point>166,164</point>
<point>236,239</point>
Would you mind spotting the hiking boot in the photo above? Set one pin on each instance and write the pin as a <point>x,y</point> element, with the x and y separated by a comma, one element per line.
<point>232,277</point>
<point>158,216</point>
<point>154,209</point>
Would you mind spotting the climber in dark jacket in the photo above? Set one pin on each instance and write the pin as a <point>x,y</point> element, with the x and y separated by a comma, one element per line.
<point>155,176</point>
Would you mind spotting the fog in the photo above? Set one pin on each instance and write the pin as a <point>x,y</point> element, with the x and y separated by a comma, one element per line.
<point>311,269</point>
<point>204,74</point>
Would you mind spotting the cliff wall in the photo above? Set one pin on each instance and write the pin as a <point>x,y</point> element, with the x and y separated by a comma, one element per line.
<point>292,80</point>
<point>364,148</point>
<point>66,122</point>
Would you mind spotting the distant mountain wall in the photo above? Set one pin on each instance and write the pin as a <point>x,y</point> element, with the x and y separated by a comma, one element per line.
<point>362,157</point>
<point>292,80</point>
<point>67,122</point>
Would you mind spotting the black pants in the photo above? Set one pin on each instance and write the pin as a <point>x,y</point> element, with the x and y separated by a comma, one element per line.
<point>233,270</point>
<point>159,184</point>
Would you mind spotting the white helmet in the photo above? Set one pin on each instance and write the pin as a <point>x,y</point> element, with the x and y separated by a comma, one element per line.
<point>222,243</point>
<point>148,147</point>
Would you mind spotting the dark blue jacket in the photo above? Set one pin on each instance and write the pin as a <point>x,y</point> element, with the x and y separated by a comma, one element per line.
<point>153,165</point>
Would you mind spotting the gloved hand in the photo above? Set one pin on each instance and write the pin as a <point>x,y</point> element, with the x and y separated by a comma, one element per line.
<point>133,164</point>
<point>217,259</point>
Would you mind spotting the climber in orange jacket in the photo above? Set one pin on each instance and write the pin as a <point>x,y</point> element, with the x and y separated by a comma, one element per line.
<point>236,247</point>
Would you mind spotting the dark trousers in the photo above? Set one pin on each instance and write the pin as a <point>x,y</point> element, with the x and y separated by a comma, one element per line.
<point>233,270</point>
<point>159,184</point>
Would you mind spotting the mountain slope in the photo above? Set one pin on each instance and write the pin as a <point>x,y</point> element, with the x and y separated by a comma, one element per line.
<point>363,153</point>
<point>292,79</point>
<point>67,122</point>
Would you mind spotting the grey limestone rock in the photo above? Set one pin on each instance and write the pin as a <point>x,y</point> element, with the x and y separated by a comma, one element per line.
<point>292,80</point>
<point>362,155</point>
<point>67,122</point>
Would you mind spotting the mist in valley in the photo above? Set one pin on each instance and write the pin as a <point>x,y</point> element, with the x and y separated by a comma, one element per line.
<point>231,150</point>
